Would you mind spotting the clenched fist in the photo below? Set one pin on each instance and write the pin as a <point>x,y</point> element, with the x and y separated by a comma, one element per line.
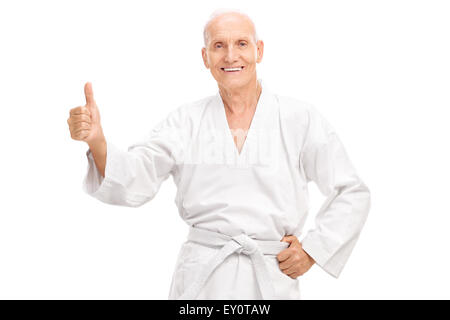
<point>294,261</point>
<point>84,121</point>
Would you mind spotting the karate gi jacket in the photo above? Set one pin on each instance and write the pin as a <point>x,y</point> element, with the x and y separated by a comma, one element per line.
<point>261,193</point>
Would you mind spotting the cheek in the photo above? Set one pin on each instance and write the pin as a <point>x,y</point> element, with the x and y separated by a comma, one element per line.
<point>214,60</point>
<point>250,59</point>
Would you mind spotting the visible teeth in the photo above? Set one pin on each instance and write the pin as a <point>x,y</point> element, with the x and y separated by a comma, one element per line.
<point>233,69</point>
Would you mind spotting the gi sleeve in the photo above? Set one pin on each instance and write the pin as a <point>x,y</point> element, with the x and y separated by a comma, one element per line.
<point>133,177</point>
<point>344,212</point>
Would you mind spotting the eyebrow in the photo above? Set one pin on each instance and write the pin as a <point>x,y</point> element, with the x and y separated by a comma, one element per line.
<point>245,38</point>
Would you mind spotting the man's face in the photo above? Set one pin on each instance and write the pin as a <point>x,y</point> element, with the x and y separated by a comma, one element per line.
<point>231,45</point>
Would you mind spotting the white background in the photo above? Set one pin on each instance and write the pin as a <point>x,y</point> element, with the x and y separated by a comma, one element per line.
<point>378,70</point>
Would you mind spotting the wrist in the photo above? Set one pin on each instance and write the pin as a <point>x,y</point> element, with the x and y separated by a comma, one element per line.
<point>96,144</point>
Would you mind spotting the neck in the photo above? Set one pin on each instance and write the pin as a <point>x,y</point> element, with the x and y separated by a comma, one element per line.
<point>239,100</point>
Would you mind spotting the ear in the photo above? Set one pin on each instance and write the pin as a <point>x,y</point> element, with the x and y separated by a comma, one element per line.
<point>259,51</point>
<point>205,58</point>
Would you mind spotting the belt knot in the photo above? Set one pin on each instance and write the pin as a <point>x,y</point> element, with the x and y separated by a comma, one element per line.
<point>247,245</point>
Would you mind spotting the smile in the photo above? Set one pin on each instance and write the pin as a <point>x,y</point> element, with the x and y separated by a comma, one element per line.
<point>237,69</point>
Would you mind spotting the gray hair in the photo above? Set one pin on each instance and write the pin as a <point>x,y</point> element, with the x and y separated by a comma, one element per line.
<point>220,12</point>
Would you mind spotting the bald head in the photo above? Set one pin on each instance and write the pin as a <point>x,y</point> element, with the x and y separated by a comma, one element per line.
<point>232,49</point>
<point>228,18</point>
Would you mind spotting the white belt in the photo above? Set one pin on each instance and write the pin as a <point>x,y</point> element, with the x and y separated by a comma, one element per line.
<point>255,249</point>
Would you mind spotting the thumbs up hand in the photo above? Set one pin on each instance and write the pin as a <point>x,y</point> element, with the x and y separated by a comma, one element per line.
<point>84,121</point>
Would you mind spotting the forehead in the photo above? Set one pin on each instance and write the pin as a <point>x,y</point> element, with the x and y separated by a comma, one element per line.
<point>231,26</point>
<point>230,37</point>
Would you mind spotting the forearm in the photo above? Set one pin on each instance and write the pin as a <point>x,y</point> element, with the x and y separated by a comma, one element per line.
<point>98,149</point>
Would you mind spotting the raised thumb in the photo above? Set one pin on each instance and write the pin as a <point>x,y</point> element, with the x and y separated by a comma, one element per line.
<point>89,94</point>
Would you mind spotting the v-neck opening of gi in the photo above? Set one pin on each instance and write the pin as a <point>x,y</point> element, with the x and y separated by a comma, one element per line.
<point>251,128</point>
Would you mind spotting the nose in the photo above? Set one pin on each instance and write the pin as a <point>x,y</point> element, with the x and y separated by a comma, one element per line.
<point>231,55</point>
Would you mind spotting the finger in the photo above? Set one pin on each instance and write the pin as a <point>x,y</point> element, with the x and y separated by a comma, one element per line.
<point>82,125</point>
<point>291,270</point>
<point>81,134</point>
<point>293,259</point>
<point>289,239</point>
<point>295,275</point>
<point>284,254</point>
<point>80,117</point>
<point>296,246</point>
<point>78,132</point>
<point>84,134</point>
<point>75,124</point>
<point>89,93</point>
<point>80,110</point>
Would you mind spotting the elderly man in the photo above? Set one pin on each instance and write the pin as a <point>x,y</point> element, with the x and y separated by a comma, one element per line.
<point>241,160</point>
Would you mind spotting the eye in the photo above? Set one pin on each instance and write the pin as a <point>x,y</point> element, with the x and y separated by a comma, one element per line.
<point>218,45</point>
<point>242,44</point>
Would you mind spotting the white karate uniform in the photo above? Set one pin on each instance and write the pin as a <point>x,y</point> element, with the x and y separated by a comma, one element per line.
<point>242,204</point>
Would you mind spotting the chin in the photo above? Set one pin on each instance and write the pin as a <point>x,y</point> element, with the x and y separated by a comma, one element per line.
<point>234,83</point>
